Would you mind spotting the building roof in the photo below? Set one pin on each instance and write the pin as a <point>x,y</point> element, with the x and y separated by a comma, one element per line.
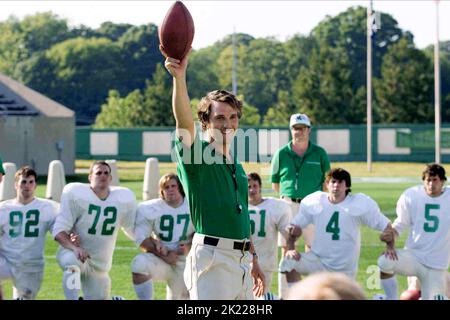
<point>17,99</point>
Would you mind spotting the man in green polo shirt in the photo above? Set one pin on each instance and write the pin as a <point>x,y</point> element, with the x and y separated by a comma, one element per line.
<point>298,169</point>
<point>218,265</point>
<point>2,171</point>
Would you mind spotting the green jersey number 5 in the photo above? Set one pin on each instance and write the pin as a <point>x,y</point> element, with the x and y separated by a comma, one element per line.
<point>432,223</point>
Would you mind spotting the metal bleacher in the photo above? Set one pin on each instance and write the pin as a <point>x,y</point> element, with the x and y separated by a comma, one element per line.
<point>10,107</point>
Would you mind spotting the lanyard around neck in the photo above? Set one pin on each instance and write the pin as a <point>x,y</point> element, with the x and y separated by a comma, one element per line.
<point>232,169</point>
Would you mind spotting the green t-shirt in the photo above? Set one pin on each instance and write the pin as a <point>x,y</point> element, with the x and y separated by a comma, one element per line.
<point>217,201</point>
<point>2,171</point>
<point>299,176</point>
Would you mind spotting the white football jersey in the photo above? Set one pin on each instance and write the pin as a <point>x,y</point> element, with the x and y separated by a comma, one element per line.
<point>23,230</point>
<point>170,225</point>
<point>337,238</point>
<point>429,221</point>
<point>266,220</point>
<point>96,221</point>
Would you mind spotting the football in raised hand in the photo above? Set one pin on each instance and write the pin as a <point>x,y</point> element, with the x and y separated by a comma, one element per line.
<point>177,31</point>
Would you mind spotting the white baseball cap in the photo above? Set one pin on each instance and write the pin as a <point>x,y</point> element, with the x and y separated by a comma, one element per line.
<point>299,118</point>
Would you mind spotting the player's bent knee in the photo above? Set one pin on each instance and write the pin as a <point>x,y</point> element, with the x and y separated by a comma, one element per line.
<point>139,265</point>
<point>386,265</point>
<point>68,259</point>
<point>73,269</point>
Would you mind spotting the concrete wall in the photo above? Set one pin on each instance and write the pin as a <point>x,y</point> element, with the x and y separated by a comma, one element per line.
<point>38,140</point>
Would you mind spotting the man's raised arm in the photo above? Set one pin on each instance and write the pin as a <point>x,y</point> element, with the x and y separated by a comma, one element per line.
<point>180,99</point>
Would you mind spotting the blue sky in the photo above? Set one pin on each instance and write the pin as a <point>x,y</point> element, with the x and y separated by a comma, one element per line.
<point>215,19</point>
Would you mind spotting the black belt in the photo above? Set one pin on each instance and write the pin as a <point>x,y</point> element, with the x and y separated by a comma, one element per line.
<point>242,246</point>
<point>296,200</point>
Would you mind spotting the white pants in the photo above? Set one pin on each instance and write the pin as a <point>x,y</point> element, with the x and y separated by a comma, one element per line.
<point>218,272</point>
<point>153,266</point>
<point>307,233</point>
<point>309,263</point>
<point>433,281</point>
<point>26,284</point>
<point>414,283</point>
<point>96,284</point>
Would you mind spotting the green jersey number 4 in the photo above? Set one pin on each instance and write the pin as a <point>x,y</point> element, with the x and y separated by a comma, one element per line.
<point>333,226</point>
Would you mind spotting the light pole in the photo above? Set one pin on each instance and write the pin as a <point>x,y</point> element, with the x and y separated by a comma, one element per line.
<point>369,87</point>
<point>234,64</point>
<point>437,92</point>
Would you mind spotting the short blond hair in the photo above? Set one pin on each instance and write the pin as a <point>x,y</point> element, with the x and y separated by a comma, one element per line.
<point>166,178</point>
<point>326,286</point>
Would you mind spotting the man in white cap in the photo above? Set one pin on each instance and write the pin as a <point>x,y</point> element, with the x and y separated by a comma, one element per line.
<point>298,169</point>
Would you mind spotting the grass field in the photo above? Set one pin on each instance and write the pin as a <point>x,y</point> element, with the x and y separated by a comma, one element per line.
<point>131,175</point>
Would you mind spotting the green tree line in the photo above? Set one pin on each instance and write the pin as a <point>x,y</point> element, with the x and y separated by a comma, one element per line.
<point>113,76</point>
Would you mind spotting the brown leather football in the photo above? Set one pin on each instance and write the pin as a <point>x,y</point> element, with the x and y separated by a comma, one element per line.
<point>177,31</point>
